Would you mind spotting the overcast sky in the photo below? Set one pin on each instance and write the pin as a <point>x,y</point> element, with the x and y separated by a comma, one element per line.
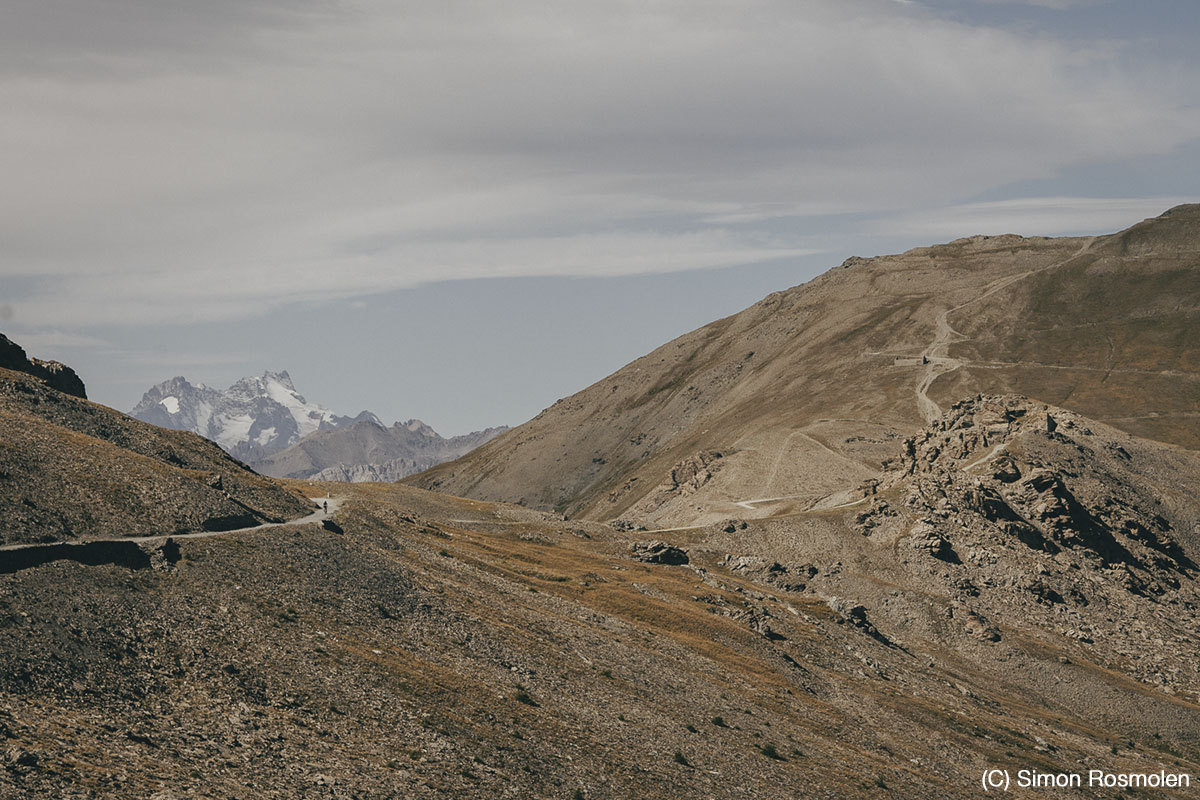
<point>461,211</point>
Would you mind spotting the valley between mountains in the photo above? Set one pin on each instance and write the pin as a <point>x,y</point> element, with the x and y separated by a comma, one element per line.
<point>924,516</point>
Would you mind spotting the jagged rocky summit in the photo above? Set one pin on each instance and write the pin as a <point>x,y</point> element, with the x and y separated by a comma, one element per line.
<point>252,419</point>
<point>266,423</point>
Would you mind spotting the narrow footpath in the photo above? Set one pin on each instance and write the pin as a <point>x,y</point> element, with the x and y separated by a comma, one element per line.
<point>317,517</point>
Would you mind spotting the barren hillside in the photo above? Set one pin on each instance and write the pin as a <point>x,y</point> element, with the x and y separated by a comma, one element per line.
<point>72,469</point>
<point>770,410</point>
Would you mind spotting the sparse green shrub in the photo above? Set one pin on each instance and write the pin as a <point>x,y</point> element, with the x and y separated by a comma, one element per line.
<point>522,696</point>
<point>690,728</point>
<point>719,722</point>
<point>680,758</point>
<point>769,751</point>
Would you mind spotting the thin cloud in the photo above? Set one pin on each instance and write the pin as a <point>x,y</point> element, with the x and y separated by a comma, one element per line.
<point>217,161</point>
<point>1057,5</point>
<point>37,342</point>
<point>216,293</point>
<point>1033,216</point>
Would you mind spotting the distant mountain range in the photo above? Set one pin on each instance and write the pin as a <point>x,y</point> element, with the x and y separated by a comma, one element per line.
<point>368,451</point>
<point>266,423</point>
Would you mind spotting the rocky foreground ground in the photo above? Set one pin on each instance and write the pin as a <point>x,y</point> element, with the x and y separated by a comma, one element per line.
<point>1017,590</point>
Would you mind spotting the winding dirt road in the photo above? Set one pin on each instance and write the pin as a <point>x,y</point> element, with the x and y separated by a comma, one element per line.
<point>937,357</point>
<point>318,516</point>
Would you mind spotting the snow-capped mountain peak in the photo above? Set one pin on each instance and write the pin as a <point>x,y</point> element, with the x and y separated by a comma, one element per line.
<point>253,418</point>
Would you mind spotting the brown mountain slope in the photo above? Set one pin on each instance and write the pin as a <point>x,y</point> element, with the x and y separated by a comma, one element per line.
<point>1019,592</point>
<point>772,409</point>
<point>70,469</point>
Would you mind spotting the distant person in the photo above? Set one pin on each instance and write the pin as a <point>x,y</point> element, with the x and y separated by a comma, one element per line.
<point>326,506</point>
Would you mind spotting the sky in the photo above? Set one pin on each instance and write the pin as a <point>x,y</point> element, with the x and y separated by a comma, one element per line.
<point>461,211</point>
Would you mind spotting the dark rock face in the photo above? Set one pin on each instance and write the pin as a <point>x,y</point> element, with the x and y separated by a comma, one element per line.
<point>11,355</point>
<point>57,375</point>
<point>60,377</point>
<point>658,552</point>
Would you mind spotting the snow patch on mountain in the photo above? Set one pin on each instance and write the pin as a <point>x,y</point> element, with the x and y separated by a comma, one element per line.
<point>252,419</point>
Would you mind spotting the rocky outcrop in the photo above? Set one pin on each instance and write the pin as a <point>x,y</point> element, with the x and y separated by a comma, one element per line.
<point>658,552</point>
<point>987,465</point>
<point>56,375</point>
<point>789,577</point>
<point>684,479</point>
<point>1030,514</point>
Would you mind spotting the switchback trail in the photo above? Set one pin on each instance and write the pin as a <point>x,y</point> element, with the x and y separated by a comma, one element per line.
<point>936,356</point>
